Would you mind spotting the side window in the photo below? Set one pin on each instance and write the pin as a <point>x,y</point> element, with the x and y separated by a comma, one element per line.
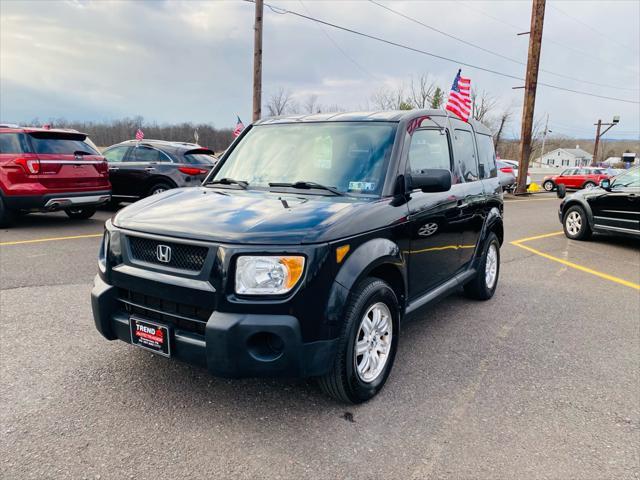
<point>12,143</point>
<point>465,151</point>
<point>486,157</point>
<point>116,154</point>
<point>429,149</point>
<point>142,153</point>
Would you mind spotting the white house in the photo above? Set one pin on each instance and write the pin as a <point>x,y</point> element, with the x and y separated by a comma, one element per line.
<point>566,157</point>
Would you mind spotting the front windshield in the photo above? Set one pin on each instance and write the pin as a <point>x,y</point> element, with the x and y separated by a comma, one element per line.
<point>351,157</point>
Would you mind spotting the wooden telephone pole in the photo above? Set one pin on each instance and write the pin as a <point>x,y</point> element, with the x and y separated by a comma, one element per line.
<point>531,81</point>
<point>257,62</point>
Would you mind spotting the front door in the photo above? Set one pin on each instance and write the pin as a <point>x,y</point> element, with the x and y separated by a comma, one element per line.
<point>434,217</point>
<point>115,157</point>
<point>619,208</point>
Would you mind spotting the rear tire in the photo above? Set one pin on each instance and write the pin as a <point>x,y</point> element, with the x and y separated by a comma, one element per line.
<point>548,186</point>
<point>7,216</point>
<point>80,213</point>
<point>159,188</point>
<point>357,373</point>
<point>575,223</point>
<point>483,285</point>
<point>589,185</point>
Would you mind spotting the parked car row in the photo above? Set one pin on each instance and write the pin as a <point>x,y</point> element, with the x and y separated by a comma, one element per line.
<point>45,170</point>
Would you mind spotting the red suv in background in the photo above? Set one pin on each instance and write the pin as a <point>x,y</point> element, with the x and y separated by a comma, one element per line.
<point>44,169</point>
<point>575,178</point>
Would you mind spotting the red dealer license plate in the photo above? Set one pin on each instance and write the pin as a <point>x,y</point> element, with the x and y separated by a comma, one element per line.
<point>150,335</point>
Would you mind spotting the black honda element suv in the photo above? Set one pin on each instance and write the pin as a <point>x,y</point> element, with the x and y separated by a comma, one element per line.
<point>306,247</point>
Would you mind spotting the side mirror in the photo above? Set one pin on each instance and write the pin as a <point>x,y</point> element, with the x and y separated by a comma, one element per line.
<point>431,180</point>
<point>605,183</point>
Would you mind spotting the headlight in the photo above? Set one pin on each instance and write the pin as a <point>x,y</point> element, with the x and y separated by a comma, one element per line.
<point>267,275</point>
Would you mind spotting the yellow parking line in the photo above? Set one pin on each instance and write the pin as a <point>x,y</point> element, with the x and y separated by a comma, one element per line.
<point>537,237</point>
<point>611,278</point>
<point>52,239</point>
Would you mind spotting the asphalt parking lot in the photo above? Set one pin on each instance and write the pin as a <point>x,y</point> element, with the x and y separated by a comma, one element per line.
<point>540,382</point>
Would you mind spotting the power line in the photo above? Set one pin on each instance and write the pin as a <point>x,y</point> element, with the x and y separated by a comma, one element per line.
<point>338,47</point>
<point>547,39</point>
<point>593,29</point>
<point>486,50</point>
<point>434,55</point>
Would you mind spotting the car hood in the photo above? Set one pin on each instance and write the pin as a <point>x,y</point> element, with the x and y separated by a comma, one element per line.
<point>248,217</point>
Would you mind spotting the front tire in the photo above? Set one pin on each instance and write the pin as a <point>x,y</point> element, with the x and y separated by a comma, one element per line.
<point>575,223</point>
<point>548,186</point>
<point>367,345</point>
<point>484,283</point>
<point>80,213</point>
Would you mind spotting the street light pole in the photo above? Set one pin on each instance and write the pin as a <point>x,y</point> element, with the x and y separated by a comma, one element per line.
<point>616,120</point>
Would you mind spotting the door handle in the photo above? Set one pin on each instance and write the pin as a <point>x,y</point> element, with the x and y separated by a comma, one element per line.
<point>149,169</point>
<point>113,169</point>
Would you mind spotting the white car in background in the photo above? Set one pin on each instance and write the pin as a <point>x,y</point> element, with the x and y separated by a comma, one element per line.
<point>505,165</point>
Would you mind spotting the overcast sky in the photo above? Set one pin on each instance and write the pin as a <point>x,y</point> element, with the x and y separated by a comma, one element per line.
<point>172,61</point>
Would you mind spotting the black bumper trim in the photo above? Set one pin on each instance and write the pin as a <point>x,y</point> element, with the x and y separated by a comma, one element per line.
<point>227,348</point>
<point>38,202</point>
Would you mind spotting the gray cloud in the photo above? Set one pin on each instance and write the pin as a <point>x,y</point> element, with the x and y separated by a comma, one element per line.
<point>187,60</point>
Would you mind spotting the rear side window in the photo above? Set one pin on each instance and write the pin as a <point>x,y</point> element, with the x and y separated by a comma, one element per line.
<point>116,154</point>
<point>13,143</point>
<point>486,157</point>
<point>143,153</point>
<point>466,162</point>
<point>62,143</point>
<point>200,156</point>
<point>429,149</point>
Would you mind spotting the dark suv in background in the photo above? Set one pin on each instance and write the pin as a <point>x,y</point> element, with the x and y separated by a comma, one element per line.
<point>139,169</point>
<point>306,248</point>
<point>46,169</point>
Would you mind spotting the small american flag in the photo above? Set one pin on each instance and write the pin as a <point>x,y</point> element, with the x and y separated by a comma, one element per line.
<point>459,102</point>
<point>239,127</point>
<point>139,135</point>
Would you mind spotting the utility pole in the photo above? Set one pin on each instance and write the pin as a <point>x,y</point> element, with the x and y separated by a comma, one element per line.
<point>531,81</point>
<point>616,120</point>
<point>544,138</point>
<point>257,62</point>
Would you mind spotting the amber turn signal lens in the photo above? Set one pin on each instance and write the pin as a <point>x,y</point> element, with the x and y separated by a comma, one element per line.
<point>341,252</point>
<point>295,267</point>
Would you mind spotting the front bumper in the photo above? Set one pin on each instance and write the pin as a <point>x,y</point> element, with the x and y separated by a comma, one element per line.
<point>233,344</point>
<point>57,201</point>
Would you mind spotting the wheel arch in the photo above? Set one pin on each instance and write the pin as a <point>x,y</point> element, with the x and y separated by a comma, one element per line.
<point>380,258</point>
<point>584,205</point>
<point>150,182</point>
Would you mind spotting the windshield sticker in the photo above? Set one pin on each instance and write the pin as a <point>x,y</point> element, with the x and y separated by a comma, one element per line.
<point>362,186</point>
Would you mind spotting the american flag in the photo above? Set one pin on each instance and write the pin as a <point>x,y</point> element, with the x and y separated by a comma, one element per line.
<point>239,127</point>
<point>139,135</point>
<point>459,101</point>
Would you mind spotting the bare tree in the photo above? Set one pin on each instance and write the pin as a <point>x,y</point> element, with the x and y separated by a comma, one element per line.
<point>280,103</point>
<point>311,104</point>
<point>421,91</point>
<point>390,98</point>
<point>499,125</point>
<point>482,104</point>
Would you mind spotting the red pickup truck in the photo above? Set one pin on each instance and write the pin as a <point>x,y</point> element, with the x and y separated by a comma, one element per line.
<point>575,178</point>
<point>43,169</point>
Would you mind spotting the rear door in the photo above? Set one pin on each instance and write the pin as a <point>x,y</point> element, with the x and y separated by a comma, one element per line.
<point>472,206</point>
<point>139,166</point>
<point>69,161</point>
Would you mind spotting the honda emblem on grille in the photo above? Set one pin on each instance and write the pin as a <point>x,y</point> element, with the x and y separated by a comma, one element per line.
<point>163,252</point>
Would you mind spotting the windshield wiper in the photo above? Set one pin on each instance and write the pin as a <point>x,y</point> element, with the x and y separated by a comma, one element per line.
<point>307,186</point>
<point>229,181</point>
